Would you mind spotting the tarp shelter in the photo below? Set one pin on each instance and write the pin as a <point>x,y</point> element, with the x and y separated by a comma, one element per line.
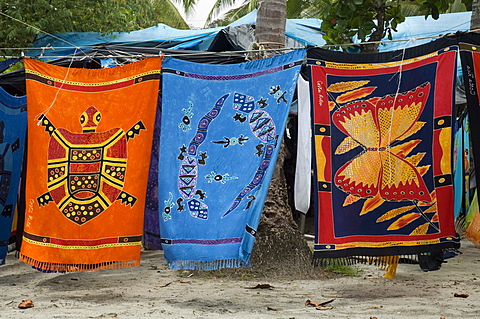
<point>418,30</point>
<point>238,36</point>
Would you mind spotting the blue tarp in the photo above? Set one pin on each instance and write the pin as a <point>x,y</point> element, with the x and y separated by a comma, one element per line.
<point>158,36</point>
<point>416,28</point>
<point>301,32</point>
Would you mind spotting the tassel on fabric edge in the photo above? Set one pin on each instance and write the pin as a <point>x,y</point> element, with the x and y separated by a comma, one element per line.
<point>207,265</point>
<point>460,224</point>
<point>380,261</point>
<point>387,263</point>
<point>333,262</point>
<point>58,267</point>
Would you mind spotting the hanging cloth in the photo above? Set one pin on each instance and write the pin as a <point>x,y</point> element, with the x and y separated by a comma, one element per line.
<point>221,130</point>
<point>458,172</point>
<point>13,127</point>
<point>383,145</point>
<point>151,228</point>
<point>303,169</point>
<point>90,135</point>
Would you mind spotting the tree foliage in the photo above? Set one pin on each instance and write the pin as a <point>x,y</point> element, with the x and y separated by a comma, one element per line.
<point>343,20</point>
<point>372,20</point>
<point>294,10</point>
<point>22,20</point>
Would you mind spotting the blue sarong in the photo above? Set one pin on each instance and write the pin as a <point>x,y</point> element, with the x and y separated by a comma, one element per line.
<point>459,173</point>
<point>13,126</point>
<point>220,134</point>
<point>151,225</point>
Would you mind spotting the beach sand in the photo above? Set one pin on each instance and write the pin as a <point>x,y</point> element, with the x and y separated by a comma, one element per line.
<point>153,291</point>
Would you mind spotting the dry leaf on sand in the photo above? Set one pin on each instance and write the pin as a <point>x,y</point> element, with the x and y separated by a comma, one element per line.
<point>261,286</point>
<point>26,304</point>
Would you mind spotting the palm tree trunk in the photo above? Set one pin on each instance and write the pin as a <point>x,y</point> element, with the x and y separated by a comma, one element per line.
<point>279,247</point>
<point>475,20</point>
<point>270,25</point>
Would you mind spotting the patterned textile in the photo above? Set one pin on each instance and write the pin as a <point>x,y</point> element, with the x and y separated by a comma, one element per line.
<point>90,135</point>
<point>472,210</point>
<point>466,163</point>
<point>383,145</point>
<point>472,233</point>
<point>151,228</point>
<point>13,127</point>
<point>471,71</point>
<point>458,172</point>
<point>221,128</point>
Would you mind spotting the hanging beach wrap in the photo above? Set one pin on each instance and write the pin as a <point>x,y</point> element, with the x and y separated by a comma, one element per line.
<point>13,127</point>
<point>471,72</point>
<point>222,126</point>
<point>383,144</point>
<point>90,136</point>
<point>458,172</point>
<point>151,228</point>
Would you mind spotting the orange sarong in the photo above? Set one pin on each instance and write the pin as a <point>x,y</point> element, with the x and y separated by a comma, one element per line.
<point>89,140</point>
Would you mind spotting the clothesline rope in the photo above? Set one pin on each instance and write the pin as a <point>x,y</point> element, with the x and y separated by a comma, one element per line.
<point>45,112</point>
<point>207,52</point>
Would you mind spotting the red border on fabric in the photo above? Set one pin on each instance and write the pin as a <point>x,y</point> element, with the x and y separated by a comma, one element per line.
<point>82,242</point>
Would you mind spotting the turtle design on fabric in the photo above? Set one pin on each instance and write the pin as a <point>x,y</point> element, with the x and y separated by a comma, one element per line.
<point>6,163</point>
<point>86,171</point>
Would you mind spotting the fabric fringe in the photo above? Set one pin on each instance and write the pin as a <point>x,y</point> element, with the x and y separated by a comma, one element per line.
<point>207,265</point>
<point>380,261</point>
<point>58,267</point>
<point>460,224</point>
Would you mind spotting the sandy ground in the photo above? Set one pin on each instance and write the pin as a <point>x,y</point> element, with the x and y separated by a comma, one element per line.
<point>153,291</point>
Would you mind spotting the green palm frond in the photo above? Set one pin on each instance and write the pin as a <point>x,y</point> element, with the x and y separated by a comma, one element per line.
<point>457,6</point>
<point>295,8</point>
<point>314,9</point>
<point>188,5</point>
<point>230,16</point>
<point>221,5</point>
<point>166,12</point>
<point>412,8</point>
